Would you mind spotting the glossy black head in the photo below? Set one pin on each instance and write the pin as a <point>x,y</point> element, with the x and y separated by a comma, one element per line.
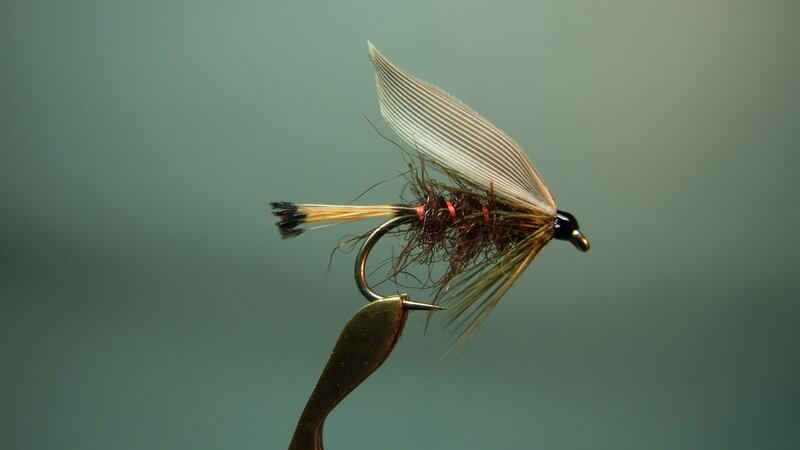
<point>567,229</point>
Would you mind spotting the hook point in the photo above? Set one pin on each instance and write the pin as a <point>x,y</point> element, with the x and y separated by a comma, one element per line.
<point>417,306</point>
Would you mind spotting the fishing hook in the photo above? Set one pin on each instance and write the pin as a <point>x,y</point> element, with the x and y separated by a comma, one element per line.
<point>361,265</point>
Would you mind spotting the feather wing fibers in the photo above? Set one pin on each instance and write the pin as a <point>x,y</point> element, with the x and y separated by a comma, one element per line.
<point>447,130</point>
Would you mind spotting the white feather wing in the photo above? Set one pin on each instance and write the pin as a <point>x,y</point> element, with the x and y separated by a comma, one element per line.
<point>442,127</point>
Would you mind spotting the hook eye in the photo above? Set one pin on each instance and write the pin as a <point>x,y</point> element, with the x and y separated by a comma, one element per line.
<point>361,265</point>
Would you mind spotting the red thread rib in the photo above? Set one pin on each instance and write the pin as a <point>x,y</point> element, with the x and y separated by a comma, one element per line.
<point>451,208</point>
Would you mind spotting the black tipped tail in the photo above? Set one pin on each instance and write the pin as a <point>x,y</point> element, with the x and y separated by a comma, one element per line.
<point>291,218</point>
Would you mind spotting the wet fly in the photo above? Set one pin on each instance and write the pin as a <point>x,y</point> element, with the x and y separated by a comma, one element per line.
<point>474,201</point>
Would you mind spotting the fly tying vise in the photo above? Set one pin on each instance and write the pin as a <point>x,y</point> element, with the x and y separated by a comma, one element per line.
<point>486,217</point>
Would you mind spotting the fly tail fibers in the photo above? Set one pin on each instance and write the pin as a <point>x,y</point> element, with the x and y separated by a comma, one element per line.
<point>293,215</point>
<point>291,218</point>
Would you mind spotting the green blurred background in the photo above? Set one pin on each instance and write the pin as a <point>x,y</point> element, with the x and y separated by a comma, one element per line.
<point>146,301</point>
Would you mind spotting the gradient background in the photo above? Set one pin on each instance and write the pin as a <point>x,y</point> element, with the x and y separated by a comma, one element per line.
<point>148,303</point>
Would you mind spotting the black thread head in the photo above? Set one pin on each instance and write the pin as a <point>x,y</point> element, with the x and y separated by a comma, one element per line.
<point>567,229</point>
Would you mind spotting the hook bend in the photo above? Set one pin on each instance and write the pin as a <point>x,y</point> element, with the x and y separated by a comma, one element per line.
<point>361,265</point>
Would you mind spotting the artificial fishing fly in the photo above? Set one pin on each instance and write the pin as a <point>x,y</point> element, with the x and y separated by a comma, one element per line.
<point>486,219</point>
